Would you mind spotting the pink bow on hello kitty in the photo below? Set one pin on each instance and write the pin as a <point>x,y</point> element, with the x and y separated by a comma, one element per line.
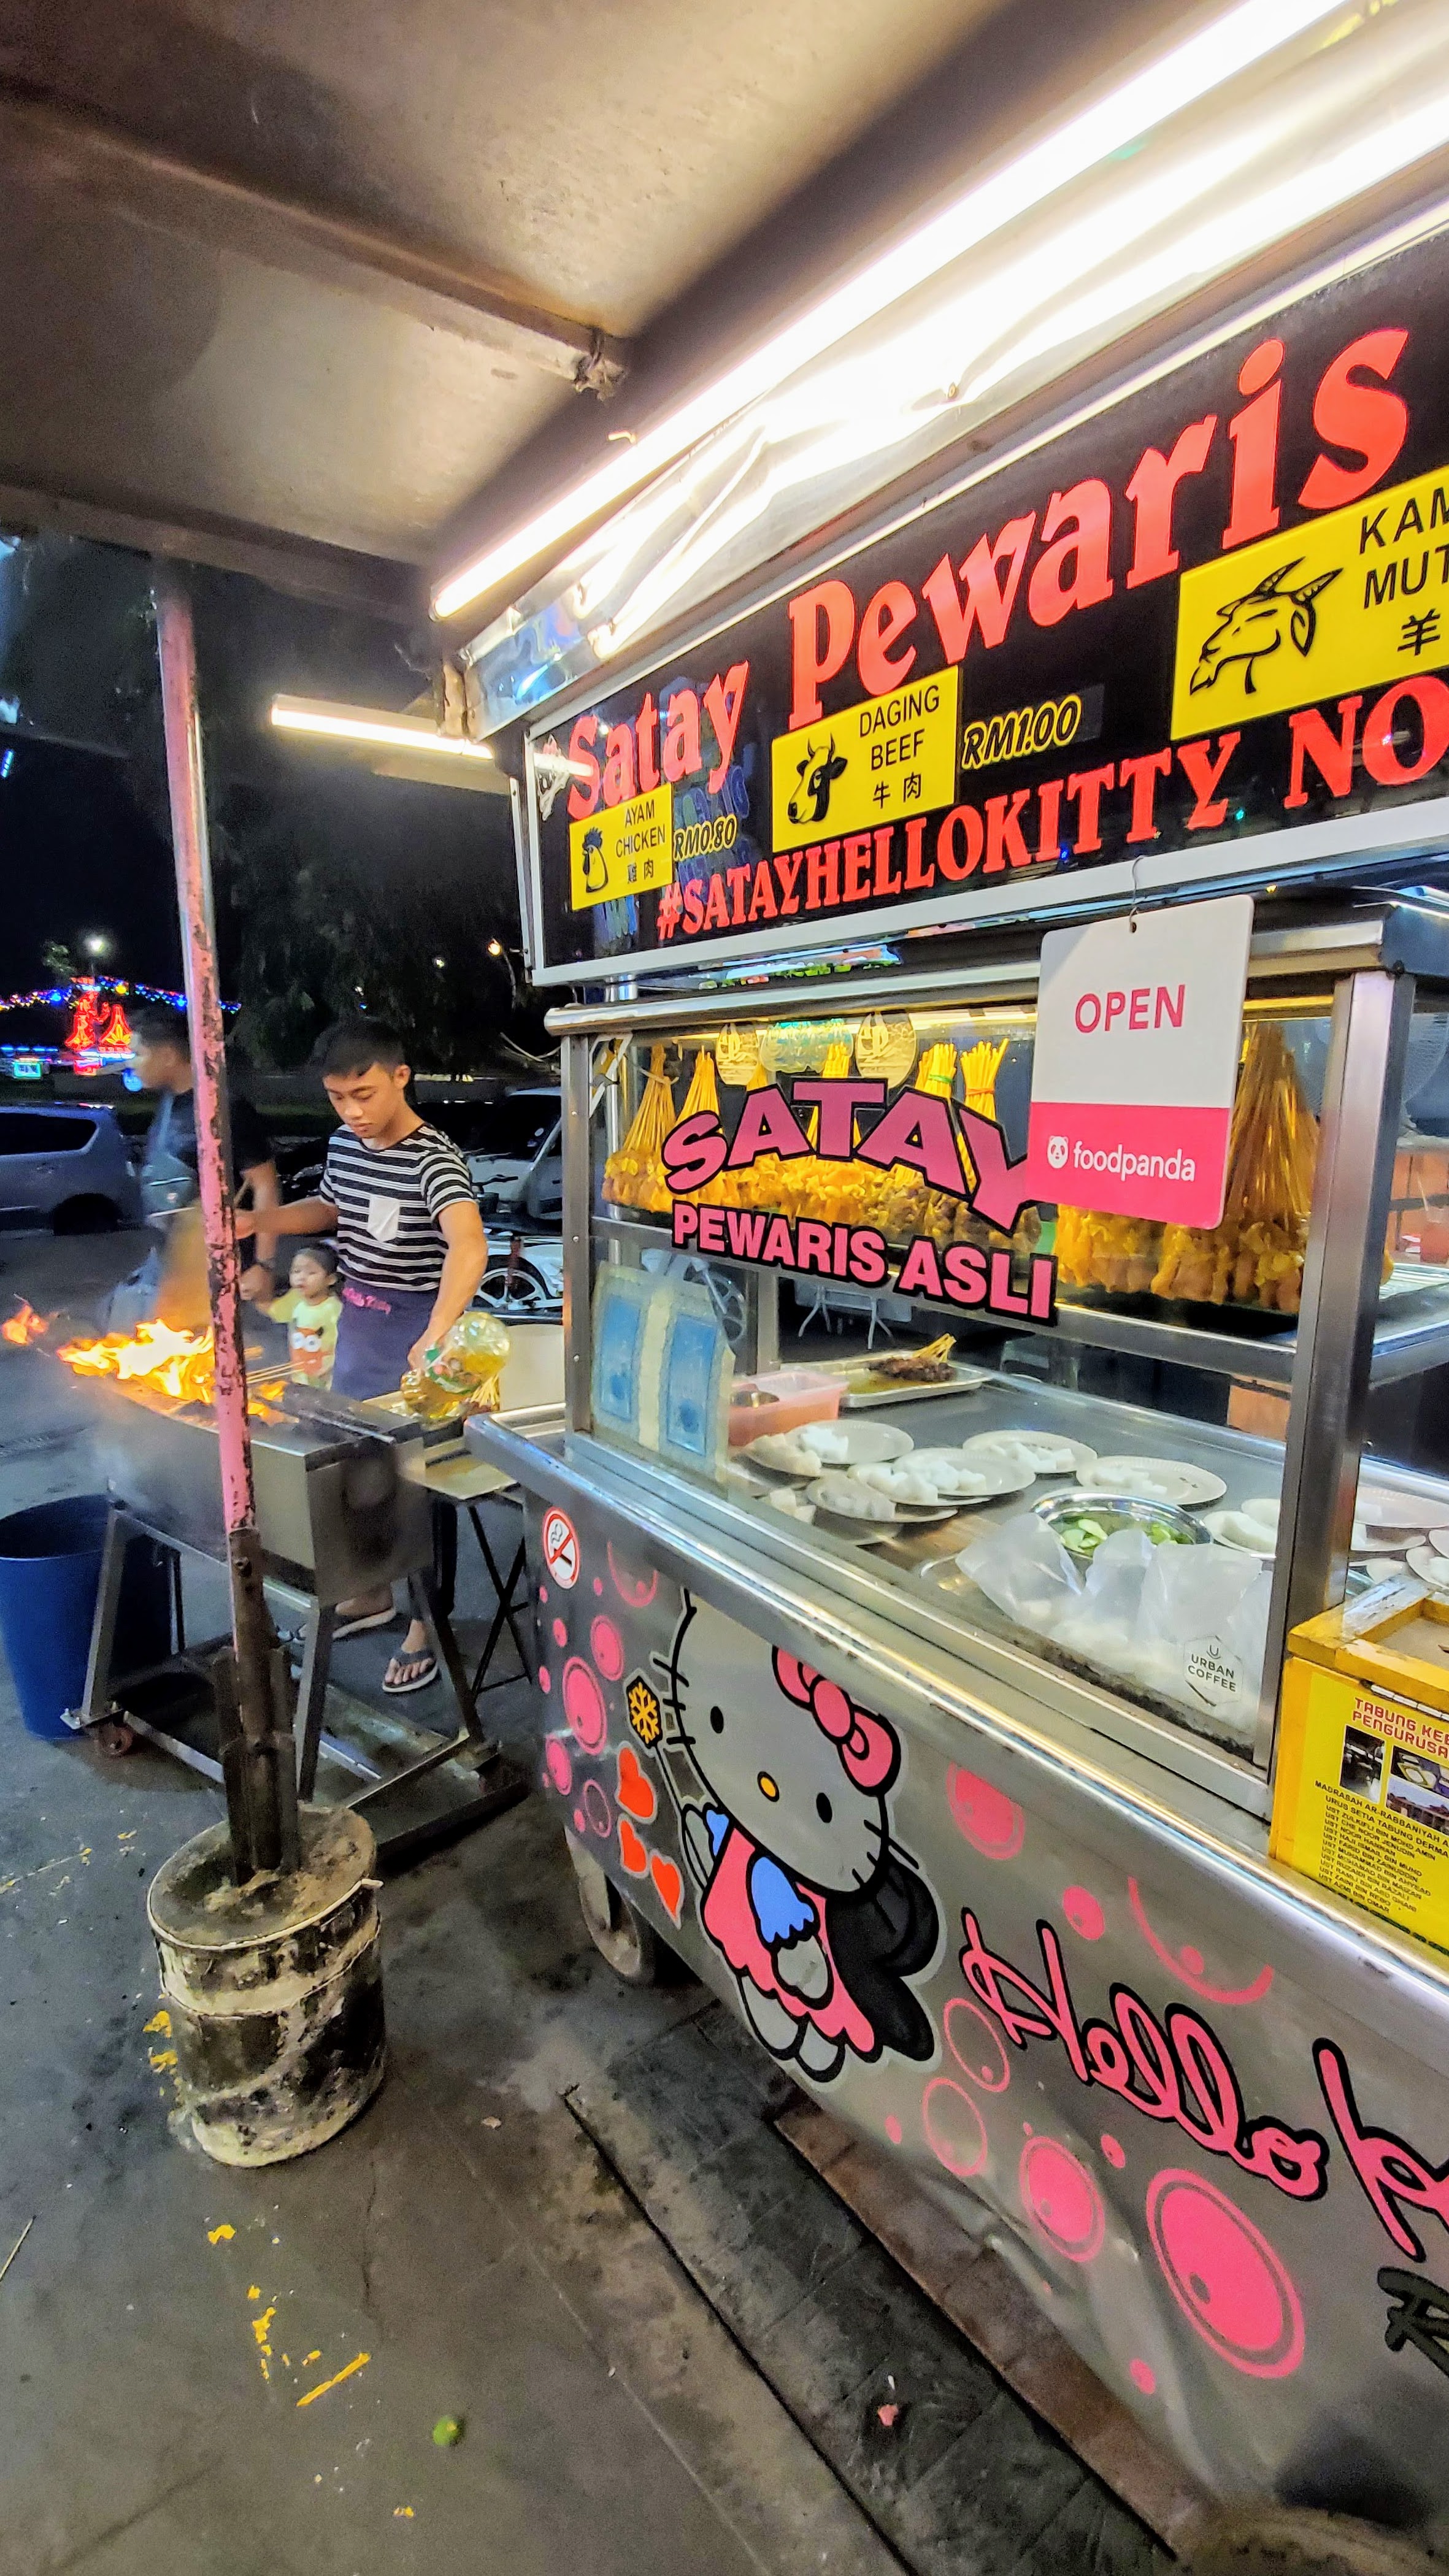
<point>867,1746</point>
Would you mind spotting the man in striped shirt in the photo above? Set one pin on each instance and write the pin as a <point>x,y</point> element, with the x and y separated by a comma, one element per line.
<point>411,1249</point>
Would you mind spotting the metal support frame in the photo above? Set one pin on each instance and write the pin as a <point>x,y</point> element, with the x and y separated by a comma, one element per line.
<point>1357,1143</point>
<point>577,1200</point>
<point>258,1759</point>
<point>210,1663</point>
<point>505,1614</point>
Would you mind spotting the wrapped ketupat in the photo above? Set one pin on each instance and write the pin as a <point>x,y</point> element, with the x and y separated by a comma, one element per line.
<point>634,1172</point>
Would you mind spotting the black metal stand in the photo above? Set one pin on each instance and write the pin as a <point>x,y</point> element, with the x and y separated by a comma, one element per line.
<point>506,1597</point>
<point>131,1698</point>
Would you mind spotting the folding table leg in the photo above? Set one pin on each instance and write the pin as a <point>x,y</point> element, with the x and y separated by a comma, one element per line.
<point>503,1613</point>
<point>504,1592</point>
<point>312,1691</point>
<point>445,1647</point>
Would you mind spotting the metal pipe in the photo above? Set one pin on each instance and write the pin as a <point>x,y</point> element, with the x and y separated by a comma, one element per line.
<point>1342,1275</point>
<point>258,1761</point>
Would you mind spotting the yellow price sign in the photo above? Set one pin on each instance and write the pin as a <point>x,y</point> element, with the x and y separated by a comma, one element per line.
<point>1345,602</point>
<point>874,763</point>
<point>622,850</point>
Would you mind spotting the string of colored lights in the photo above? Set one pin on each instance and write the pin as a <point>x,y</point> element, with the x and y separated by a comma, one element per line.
<point>61,996</point>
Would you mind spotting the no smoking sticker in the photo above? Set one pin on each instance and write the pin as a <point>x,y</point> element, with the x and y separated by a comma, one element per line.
<point>561,1548</point>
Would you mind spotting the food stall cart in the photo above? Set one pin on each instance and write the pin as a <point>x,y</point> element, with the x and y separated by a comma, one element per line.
<point>929,1705</point>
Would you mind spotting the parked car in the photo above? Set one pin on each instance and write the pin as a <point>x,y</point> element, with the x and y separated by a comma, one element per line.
<point>513,1149</point>
<point>66,1167</point>
<point>502,1141</point>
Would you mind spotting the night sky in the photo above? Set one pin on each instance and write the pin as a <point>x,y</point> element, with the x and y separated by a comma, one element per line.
<point>77,854</point>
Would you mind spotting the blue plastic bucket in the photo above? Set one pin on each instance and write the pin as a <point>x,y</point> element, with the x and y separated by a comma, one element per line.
<point>50,1573</point>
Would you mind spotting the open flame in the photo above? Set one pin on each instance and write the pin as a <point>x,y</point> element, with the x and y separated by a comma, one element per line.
<point>24,1326</point>
<point>167,1362</point>
<point>154,1358</point>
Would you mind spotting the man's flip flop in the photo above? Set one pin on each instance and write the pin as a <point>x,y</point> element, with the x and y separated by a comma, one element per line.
<point>357,1627</point>
<point>419,1680</point>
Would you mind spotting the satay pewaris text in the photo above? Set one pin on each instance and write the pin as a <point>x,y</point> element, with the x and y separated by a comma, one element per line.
<point>1217,608</point>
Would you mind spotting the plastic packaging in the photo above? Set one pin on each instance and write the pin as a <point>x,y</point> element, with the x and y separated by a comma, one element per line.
<point>1201,1629</point>
<point>1102,1628</point>
<point>1024,1568</point>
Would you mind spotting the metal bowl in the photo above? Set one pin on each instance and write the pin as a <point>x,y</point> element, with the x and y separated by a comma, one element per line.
<point>1117,1511</point>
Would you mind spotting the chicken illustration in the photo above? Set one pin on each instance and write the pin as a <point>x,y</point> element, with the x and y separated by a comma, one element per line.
<point>596,872</point>
<point>1259,623</point>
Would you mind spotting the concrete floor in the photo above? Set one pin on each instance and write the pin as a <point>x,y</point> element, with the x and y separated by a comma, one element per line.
<point>207,2373</point>
<point>168,2329</point>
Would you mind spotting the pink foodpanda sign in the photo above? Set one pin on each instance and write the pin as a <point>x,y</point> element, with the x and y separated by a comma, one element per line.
<point>1139,1030</point>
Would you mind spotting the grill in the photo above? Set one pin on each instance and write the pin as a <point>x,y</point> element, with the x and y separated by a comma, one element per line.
<point>335,1509</point>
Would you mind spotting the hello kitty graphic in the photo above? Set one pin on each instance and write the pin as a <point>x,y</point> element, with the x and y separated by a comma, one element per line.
<point>819,1913</point>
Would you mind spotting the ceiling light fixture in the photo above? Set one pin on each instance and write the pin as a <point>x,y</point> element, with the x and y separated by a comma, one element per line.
<point>1227,45</point>
<point>372,725</point>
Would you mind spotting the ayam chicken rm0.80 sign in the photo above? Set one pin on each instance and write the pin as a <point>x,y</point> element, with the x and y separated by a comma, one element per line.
<point>1202,635</point>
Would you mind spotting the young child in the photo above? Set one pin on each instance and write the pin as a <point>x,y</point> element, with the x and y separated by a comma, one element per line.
<point>310,1311</point>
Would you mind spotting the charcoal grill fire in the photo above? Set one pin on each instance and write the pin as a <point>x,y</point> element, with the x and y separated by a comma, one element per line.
<point>332,1503</point>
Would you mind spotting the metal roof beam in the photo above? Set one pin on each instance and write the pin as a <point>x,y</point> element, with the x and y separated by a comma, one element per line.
<point>333,576</point>
<point>41,139</point>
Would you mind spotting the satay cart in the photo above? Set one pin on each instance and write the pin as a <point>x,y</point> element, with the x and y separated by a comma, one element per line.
<point>930,1702</point>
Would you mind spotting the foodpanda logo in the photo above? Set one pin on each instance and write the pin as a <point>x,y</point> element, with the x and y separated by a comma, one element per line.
<point>1056,1152</point>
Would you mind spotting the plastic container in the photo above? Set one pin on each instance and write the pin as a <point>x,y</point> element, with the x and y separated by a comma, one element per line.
<point>788,1398</point>
<point>50,1573</point>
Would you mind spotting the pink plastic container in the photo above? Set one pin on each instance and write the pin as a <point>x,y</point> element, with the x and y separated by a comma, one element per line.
<point>800,1395</point>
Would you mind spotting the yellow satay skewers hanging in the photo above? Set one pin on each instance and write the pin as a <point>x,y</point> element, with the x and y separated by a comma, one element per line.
<point>703,1095</point>
<point>1255,1255</point>
<point>831,1190</point>
<point>634,1172</point>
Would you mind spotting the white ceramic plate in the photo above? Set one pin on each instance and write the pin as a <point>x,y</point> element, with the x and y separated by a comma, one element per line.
<point>1081,1455</point>
<point>867,1444</point>
<point>1378,1507</point>
<point>1265,1547</point>
<point>878,1509</point>
<point>1153,1480</point>
<point>1000,1476</point>
<point>1430,1567</point>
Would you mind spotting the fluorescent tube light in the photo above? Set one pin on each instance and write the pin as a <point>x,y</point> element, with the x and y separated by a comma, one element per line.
<point>373,724</point>
<point>1218,51</point>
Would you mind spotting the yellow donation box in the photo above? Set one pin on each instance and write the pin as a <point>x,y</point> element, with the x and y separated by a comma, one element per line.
<point>1362,1796</point>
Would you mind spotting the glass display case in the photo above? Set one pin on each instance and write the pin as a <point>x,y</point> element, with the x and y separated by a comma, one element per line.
<point>1105,1462</point>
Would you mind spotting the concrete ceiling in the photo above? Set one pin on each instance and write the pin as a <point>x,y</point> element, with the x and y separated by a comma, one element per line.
<point>287,283</point>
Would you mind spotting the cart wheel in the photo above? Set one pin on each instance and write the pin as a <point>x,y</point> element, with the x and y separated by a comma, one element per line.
<point>1281,2541</point>
<point>631,1946</point>
<point>115,1737</point>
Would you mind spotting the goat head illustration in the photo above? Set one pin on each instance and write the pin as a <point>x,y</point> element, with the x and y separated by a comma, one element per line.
<point>1259,623</point>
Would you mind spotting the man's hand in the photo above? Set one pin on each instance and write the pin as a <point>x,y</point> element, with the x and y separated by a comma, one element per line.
<point>244,1222</point>
<point>258,1285</point>
<point>417,1356</point>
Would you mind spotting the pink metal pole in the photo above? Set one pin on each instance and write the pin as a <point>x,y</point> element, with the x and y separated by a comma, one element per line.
<point>258,1760</point>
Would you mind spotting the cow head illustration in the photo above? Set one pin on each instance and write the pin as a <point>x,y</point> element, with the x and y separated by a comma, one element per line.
<point>817,773</point>
<point>1259,623</point>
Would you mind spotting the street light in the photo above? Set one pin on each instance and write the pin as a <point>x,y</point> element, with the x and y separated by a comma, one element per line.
<point>497,949</point>
<point>97,943</point>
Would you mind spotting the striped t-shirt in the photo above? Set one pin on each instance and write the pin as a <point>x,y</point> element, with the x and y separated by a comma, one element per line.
<point>388,1200</point>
